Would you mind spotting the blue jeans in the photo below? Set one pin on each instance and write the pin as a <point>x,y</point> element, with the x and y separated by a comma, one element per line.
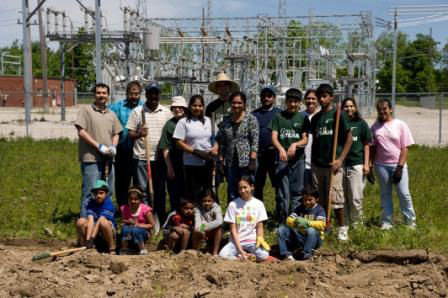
<point>136,234</point>
<point>233,175</point>
<point>158,173</point>
<point>92,171</point>
<point>289,187</point>
<point>290,240</point>
<point>229,251</point>
<point>384,174</point>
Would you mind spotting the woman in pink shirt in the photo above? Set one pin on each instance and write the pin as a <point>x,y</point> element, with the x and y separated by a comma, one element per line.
<point>389,152</point>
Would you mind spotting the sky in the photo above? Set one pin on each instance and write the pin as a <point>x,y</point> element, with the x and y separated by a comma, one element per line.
<point>10,12</point>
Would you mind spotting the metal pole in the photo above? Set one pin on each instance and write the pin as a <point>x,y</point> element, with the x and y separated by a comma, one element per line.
<point>62,81</point>
<point>43,58</point>
<point>440,117</point>
<point>98,62</point>
<point>27,76</point>
<point>394,63</point>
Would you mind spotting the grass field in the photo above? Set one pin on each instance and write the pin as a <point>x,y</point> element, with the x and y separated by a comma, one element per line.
<point>40,185</point>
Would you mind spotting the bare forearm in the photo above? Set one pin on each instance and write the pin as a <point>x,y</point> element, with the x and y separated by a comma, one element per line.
<point>260,230</point>
<point>115,140</point>
<point>183,146</point>
<point>133,134</point>
<point>275,141</point>
<point>347,145</point>
<point>86,138</point>
<point>236,238</point>
<point>366,154</point>
<point>167,158</point>
<point>403,156</point>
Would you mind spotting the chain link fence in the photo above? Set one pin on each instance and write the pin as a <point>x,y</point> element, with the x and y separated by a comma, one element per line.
<point>425,113</point>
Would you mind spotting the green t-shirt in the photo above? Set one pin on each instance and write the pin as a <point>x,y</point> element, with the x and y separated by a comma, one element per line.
<point>361,134</point>
<point>167,141</point>
<point>290,128</point>
<point>322,128</point>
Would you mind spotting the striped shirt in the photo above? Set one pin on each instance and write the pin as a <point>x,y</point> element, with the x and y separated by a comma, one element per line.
<point>123,109</point>
<point>155,120</point>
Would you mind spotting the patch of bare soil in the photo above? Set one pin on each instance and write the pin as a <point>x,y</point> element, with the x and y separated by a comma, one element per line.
<point>193,274</point>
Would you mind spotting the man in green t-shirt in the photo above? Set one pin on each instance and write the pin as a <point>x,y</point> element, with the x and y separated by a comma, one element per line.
<point>322,165</point>
<point>289,137</point>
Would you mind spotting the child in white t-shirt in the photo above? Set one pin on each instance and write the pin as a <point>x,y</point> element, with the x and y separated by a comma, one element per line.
<point>245,216</point>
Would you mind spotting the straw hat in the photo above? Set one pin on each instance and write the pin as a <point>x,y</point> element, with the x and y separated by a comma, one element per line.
<point>222,77</point>
<point>179,101</point>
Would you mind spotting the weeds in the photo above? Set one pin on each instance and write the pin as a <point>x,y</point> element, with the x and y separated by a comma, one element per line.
<point>40,184</point>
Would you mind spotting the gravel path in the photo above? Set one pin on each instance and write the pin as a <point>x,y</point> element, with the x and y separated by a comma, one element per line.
<point>424,124</point>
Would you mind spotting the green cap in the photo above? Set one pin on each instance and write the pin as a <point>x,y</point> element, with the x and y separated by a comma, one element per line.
<point>100,184</point>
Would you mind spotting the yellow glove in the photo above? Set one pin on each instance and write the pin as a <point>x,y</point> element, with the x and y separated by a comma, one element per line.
<point>263,243</point>
<point>291,220</point>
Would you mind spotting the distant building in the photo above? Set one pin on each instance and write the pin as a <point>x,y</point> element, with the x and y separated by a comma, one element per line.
<point>11,92</point>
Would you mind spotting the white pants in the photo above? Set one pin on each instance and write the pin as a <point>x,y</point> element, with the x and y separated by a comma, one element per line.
<point>354,183</point>
<point>229,251</point>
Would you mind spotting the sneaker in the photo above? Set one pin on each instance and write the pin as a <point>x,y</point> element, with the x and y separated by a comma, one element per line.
<point>290,258</point>
<point>143,252</point>
<point>385,226</point>
<point>343,233</point>
<point>412,226</point>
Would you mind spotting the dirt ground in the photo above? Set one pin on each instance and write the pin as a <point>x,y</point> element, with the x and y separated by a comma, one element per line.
<point>192,274</point>
<point>424,124</point>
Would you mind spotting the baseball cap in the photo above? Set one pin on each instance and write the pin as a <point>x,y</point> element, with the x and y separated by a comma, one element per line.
<point>268,88</point>
<point>100,184</point>
<point>153,86</point>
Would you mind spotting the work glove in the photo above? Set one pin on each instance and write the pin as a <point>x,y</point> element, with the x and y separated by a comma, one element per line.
<point>202,228</point>
<point>252,165</point>
<point>302,223</point>
<point>103,149</point>
<point>398,173</point>
<point>291,220</point>
<point>202,154</point>
<point>112,151</point>
<point>263,243</point>
<point>371,177</point>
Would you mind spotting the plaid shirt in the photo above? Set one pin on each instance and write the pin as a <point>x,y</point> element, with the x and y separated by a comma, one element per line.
<point>123,109</point>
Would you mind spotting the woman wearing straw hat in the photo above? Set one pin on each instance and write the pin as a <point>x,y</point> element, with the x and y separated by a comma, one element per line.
<point>172,154</point>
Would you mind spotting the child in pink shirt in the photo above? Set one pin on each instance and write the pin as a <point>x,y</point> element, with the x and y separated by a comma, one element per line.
<point>137,221</point>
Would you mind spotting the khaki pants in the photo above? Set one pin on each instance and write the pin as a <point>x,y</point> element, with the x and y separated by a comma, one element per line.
<point>321,180</point>
<point>354,183</point>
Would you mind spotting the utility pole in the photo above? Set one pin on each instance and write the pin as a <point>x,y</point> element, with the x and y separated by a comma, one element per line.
<point>394,63</point>
<point>62,47</point>
<point>43,58</point>
<point>27,73</point>
<point>99,77</point>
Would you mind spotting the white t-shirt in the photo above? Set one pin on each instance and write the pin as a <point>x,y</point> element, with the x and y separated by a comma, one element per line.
<point>310,141</point>
<point>195,134</point>
<point>155,120</point>
<point>246,215</point>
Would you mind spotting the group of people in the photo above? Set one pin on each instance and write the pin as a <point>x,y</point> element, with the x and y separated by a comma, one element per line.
<point>317,160</point>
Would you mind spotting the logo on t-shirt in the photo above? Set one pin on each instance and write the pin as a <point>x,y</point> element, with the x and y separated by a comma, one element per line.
<point>324,131</point>
<point>286,133</point>
<point>245,216</point>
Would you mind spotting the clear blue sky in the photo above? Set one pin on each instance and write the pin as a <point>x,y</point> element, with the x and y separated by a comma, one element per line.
<point>10,30</point>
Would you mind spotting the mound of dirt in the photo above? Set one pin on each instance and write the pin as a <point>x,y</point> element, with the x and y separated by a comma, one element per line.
<point>193,274</point>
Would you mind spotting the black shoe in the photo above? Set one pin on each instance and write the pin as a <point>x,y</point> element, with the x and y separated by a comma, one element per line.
<point>89,244</point>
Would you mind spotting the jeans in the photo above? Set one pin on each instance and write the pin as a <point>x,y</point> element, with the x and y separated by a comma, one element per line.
<point>123,173</point>
<point>233,175</point>
<point>229,251</point>
<point>290,240</point>
<point>384,174</point>
<point>289,187</point>
<point>158,173</point>
<point>354,183</point>
<point>92,171</point>
<point>136,234</point>
<point>266,165</point>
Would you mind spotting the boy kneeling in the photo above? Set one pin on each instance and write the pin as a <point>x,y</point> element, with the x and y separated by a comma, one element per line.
<point>305,228</point>
<point>100,218</point>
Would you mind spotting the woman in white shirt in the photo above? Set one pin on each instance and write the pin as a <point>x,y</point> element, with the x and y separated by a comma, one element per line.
<point>193,135</point>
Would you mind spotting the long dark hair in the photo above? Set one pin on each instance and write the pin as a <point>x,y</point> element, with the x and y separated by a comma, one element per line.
<point>356,115</point>
<point>190,103</point>
<point>207,192</point>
